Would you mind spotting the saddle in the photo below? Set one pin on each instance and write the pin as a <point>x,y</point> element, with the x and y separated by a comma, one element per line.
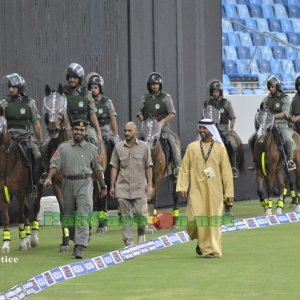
<point>24,152</point>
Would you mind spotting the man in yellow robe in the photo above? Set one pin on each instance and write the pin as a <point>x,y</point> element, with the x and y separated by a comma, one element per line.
<point>205,176</point>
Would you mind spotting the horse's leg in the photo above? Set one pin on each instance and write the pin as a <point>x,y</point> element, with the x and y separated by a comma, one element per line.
<point>22,219</point>
<point>5,221</point>
<point>283,192</point>
<point>35,223</point>
<point>64,246</point>
<point>297,174</point>
<point>260,189</point>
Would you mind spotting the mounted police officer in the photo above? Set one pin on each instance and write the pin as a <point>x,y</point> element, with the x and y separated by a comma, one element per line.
<point>227,120</point>
<point>294,113</point>
<point>160,105</point>
<point>278,104</point>
<point>80,104</point>
<point>23,120</point>
<point>105,113</point>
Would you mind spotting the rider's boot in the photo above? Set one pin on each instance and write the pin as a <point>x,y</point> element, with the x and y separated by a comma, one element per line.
<point>36,170</point>
<point>252,166</point>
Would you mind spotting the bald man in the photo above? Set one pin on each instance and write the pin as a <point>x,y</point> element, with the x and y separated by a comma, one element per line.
<point>131,182</point>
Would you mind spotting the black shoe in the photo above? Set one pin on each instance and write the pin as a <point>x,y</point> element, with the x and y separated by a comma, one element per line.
<point>210,255</point>
<point>198,250</point>
<point>79,251</point>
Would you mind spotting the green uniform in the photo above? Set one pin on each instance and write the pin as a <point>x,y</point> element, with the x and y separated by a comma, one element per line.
<point>277,104</point>
<point>21,113</point>
<point>78,161</point>
<point>80,106</point>
<point>160,105</point>
<point>105,111</point>
<point>226,114</point>
<point>295,110</point>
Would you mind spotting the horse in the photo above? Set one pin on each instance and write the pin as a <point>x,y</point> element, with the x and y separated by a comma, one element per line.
<point>236,157</point>
<point>270,162</point>
<point>14,181</point>
<point>151,133</point>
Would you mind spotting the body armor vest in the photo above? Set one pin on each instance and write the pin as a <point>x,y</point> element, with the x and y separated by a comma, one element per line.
<point>296,105</point>
<point>155,106</point>
<point>103,111</point>
<point>78,105</point>
<point>18,113</point>
<point>224,113</point>
<point>274,104</point>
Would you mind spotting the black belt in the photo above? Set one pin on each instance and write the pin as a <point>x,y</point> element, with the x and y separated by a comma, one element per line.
<point>77,177</point>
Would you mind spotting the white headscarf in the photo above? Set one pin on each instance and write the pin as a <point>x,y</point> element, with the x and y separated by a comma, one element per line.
<point>211,127</point>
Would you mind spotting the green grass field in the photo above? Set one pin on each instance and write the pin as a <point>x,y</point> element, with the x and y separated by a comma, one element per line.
<point>256,264</point>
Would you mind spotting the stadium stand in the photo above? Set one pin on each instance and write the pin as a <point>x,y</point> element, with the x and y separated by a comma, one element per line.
<point>268,42</point>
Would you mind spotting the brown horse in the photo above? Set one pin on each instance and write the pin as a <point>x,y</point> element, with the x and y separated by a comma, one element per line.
<point>151,133</point>
<point>236,157</point>
<point>13,181</point>
<point>270,162</point>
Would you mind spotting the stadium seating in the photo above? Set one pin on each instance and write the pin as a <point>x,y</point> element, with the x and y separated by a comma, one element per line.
<point>261,46</point>
<point>294,11</point>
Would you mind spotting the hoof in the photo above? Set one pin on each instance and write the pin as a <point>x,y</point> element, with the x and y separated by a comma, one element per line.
<point>297,209</point>
<point>101,229</point>
<point>293,205</point>
<point>5,250</point>
<point>278,211</point>
<point>64,248</point>
<point>23,247</point>
<point>268,212</point>
<point>34,242</point>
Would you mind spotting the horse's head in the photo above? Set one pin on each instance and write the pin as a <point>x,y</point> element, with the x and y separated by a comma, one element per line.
<point>210,112</point>
<point>3,125</point>
<point>264,122</point>
<point>150,131</point>
<point>55,107</point>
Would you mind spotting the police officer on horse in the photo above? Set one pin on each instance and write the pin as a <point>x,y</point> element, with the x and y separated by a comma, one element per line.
<point>278,104</point>
<point>105,113</point>
<point>80,104</point>
<point>294,113</point>
<point>160,105</point>
<point>23,120</point>
<point>227,120</point>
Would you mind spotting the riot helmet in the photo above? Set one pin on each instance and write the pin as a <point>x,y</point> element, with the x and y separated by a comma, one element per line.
<point>18,81</point>
<point>94,78</point>
<point>215,85</point>
<point>154,78</point>
<point>75,70</point>
<point>273,80</point>
<point>297,83</point>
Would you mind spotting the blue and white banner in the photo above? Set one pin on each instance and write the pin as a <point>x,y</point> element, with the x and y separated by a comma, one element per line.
<point>48,278</point>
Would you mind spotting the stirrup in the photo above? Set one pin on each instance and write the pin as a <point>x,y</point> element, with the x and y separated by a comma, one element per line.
<point>291,165</point>
<point>252,167</point>
<point>235,172</point>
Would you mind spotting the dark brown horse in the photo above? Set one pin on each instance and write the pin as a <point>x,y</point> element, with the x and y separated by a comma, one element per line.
<point>270,162</point>
<point>14,181</point>
<point>151,133</point>
<point>236,157</point>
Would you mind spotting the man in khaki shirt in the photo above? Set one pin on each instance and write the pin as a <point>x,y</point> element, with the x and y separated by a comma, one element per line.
<point>131,182</point>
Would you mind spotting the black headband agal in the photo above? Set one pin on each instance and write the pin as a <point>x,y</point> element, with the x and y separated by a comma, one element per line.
<point>206,123</point>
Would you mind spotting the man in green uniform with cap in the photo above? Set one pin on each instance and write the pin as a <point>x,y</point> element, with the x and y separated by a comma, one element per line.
<point>160,105</point>
<point>78,159</point>
<point>23,120</point>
